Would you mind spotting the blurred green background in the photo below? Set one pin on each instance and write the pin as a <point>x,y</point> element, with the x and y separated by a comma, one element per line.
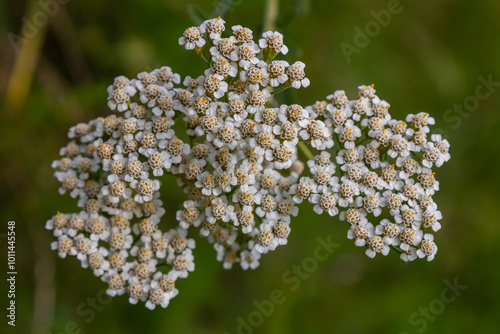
<point>427,58</point>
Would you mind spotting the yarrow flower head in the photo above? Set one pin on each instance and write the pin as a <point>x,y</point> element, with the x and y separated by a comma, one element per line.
<point>245,163</point>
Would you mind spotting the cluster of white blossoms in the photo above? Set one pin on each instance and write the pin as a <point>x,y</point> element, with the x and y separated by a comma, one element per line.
<point>380,179</point>
<point>237,155</point>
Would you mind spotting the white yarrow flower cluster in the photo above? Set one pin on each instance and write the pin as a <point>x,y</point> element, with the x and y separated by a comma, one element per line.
<point>240,164</point>
<point>383,170</point>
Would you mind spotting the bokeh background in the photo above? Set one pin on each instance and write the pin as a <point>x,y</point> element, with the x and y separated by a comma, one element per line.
<point>429,57</point>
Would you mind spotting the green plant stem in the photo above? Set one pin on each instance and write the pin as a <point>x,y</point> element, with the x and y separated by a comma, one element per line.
<point>199,52</point>
<point>397,249</point>
<point>280,89</point>
<point>205,59</point>
<point>305,150</point>
<point>271,13</point>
